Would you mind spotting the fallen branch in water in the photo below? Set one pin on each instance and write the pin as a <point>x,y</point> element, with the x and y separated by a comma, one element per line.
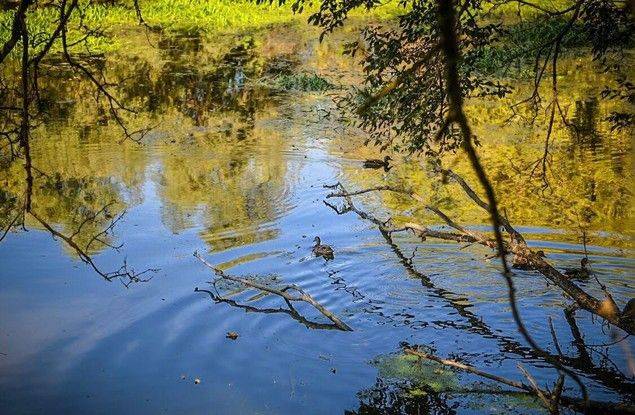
<point>607,309</point>
<point>284,292</point>
<point>613,379</point>
<point>550,399</point>
<point>291,312</point>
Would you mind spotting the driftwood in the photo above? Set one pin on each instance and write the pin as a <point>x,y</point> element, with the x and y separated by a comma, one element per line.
<point>289,293</point>
<point>551,399</point>
<point>607,309</point>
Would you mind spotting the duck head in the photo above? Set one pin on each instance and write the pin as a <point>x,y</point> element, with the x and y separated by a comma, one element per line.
<point>584,262</point>
<point>316,240</point>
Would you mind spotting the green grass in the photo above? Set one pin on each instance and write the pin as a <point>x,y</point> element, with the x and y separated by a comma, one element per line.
<point>510,10</point>
<point>231,16</point>
<point>173,15</point>
<point>211,16</point>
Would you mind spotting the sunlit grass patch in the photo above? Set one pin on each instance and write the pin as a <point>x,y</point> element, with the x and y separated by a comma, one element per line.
<point>211,16</point>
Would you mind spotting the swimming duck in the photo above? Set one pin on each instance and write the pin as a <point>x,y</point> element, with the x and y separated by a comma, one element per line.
<point>584,272</point>
<point>378,164</point>
<point>324,251</point>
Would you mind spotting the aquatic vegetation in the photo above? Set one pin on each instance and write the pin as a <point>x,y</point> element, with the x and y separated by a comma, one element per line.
<point>427,374</point>
<point>303,82</point>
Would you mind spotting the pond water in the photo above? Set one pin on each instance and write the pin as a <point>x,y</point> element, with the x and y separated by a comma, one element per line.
<point>235,169</point>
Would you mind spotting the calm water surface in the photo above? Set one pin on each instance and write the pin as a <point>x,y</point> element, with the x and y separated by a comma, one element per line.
<point>236,172</point>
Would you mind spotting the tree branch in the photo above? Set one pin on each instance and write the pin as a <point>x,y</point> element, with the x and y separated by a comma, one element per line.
<point>284,293</point>
<point>595,407</point>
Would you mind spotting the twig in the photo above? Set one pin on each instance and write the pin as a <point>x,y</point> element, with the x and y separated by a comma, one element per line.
<point>284,293</point>
<point>535,386</point>
<point>388,88</point>
<point>554,337</point>
<point>555,396</point>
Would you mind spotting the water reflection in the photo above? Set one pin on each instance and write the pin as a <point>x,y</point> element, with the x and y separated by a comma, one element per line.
<point>233,165</point>
<point>231,189</point>
<point>397,398</point>
<point>218,168</point>
<point>197,91</point>
<point>586,188</point>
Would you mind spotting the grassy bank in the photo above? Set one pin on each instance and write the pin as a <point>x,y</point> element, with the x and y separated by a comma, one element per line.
<point>510,57</point>
<point>170,15</point>
<point>211,16</point>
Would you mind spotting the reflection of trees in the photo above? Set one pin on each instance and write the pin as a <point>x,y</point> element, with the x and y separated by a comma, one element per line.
<point>196,90</point>
<point>589,186</point>
<point>584,124</point>
<point>71,182</point>
<point>80,164</point>
<point>231,186</point>
<point>387,397</point>
<point>400,395</point>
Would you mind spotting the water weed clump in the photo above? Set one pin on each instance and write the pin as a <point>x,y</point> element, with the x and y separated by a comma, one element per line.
<point>303,82</point>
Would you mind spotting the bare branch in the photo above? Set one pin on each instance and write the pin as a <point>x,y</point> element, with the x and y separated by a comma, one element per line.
<point>284,293</point>
<point>595,407</point>
<point>292,312</point>
<point>613,379</point>
<point>516,246</point>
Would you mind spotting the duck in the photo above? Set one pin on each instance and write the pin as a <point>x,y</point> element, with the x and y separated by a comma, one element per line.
<point>584,272</point>
<point>378,164</point>
<point>324,251</point>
